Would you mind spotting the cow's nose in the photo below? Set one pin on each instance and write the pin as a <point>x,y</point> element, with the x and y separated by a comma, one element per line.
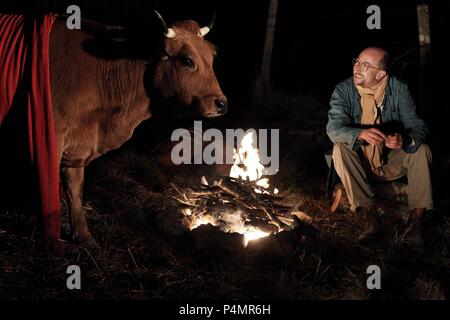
<point>221,106</point>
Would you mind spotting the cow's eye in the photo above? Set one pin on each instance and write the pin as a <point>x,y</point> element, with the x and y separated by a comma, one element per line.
<point>186,61</point>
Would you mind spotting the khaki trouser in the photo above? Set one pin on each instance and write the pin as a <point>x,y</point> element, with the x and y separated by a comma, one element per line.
<point>354,174</point>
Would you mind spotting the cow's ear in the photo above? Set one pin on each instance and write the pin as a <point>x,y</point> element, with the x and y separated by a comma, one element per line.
<point>213,48</point>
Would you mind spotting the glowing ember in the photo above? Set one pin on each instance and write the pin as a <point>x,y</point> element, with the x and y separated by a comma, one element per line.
<point>233,222</point>
<point>263,183</point>
<point>203,181</point>
<point>253,233</point>
<point>228,222</point>
<point>204,219</point>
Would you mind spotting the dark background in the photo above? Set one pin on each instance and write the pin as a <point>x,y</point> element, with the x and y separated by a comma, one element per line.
<point>315,42</point>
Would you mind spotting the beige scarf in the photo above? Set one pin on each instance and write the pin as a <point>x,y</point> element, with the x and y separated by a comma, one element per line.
<point>371,99</point>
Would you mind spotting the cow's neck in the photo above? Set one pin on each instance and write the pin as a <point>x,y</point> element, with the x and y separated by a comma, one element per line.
<point>123,86</point>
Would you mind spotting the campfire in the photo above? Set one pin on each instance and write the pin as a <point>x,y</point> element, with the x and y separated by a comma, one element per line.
<point>243,202</point>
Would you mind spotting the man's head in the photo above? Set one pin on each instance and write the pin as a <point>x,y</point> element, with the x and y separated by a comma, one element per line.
<point>370,67</point>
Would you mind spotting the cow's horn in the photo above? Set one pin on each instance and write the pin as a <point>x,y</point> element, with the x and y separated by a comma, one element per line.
<point>168,32</point>
<point>205,30</point>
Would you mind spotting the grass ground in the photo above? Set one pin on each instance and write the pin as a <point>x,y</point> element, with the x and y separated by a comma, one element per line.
<point>125,192</point>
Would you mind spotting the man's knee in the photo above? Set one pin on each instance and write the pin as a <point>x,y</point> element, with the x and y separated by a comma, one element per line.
<point>423,151</point>
<point>340,150</point>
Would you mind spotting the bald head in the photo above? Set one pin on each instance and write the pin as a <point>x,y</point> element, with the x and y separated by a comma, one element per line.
<point>370,67</point>
<point>379,55</point>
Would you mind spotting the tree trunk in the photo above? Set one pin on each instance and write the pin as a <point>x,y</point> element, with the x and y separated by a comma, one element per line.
<point>262,84</point>
<point>423,20</point>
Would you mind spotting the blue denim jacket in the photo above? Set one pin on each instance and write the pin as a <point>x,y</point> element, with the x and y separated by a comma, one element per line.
<point>344,116</point>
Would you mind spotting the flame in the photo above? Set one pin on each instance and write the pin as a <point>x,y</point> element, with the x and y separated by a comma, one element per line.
<point>247,166</point>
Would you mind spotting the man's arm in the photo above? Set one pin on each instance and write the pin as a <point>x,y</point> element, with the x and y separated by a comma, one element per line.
<point>339,127</point>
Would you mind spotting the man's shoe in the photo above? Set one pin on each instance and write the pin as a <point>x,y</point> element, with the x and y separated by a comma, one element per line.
<point>373,232</point>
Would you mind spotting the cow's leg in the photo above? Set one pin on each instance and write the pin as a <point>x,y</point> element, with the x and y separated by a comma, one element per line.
<point>73,184</point>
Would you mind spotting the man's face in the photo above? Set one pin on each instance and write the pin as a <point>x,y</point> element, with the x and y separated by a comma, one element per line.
<point>366,70</point>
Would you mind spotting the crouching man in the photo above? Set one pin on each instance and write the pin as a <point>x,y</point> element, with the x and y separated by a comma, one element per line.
<point>367,144</point>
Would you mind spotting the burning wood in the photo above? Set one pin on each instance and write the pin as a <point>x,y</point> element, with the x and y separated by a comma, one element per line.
<point>242,203</point>
<point>225,217</point>
<point>234,206</point>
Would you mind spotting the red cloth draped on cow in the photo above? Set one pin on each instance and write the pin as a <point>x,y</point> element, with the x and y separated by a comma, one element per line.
<point>29,176</point>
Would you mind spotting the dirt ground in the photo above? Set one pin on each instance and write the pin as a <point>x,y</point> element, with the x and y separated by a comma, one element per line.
<point>126,190</point>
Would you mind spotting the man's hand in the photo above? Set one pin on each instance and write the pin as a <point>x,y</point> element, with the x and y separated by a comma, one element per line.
<point>372,136</point>
<point>394,141</point>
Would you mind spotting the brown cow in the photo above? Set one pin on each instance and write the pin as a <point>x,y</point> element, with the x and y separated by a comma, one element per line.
<point>97,103</point>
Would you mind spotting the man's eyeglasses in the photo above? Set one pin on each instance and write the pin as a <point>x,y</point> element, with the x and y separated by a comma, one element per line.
<point>364,66</point>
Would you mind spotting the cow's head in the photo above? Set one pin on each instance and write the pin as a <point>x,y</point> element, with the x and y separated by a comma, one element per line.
<point>185,69</point>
